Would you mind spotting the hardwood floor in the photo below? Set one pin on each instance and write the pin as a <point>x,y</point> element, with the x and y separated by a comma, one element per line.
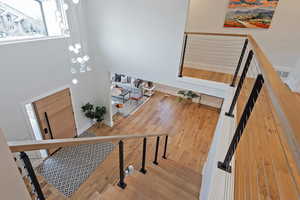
<point>191,128</point>
<point>167,181</point>
<point>264,165</point>
<point>206,75</point>
<point>265,168</point>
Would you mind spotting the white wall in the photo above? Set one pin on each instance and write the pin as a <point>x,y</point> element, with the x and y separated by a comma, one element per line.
<point>31,69</point>
<point>11,184</point>
<point>142,39</point>
<point>294,78</point>
<point>281,42</point>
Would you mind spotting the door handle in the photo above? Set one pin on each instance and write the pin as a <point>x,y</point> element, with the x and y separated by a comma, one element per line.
<point>49,126</point>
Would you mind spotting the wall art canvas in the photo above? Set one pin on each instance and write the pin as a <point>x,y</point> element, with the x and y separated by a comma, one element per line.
<point>250,13</point>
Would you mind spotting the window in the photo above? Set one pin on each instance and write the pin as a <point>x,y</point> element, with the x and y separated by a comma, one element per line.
<point>26,19</point>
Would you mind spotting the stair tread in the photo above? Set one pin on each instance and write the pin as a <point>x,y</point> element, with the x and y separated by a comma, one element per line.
<point>167,181</point>
<point>159,184</point>
<point>129,193</point>
<point>183,172</point>
<point>182,183</point>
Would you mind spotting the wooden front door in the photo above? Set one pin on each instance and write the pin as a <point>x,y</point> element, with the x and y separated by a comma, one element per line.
<point>55,116</point>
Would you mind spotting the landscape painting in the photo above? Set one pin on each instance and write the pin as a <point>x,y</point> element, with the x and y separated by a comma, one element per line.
<point>250,13</point>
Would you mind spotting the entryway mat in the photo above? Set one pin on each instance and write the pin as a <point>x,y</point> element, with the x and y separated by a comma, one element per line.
<point>69,167</point>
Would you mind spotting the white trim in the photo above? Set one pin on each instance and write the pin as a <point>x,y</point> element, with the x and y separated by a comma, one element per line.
<point>84,128</point>
<point>292,83</point>
<point>217,184</point>
<point>283,68</point>
<point>212,88</point>
<point>46,94</point>
<point>215,68</point>
<point>109,121</point>
<point>33,39</point>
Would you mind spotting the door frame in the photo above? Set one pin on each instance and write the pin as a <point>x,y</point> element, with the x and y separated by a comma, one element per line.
<point>46,94</point>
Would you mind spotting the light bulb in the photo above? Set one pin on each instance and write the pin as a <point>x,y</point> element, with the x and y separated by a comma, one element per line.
<point>78,46</point>
<point>86,58</point>
<point>71,48</point>
<point>76,51</point>
<point>75,1</point>
<point>74,81</point>
<point>65,6</point>
<point>80,60</point>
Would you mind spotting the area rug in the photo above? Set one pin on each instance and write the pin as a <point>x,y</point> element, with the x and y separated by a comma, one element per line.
<point>69,167</point>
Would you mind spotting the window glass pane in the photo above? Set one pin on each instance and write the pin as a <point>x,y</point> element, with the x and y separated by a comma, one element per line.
<point>21,19</point>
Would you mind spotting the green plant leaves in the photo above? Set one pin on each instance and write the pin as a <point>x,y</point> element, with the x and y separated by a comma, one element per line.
<point>92,112</point>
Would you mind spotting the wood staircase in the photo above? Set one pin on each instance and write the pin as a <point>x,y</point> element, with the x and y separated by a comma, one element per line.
<point>167,181</point>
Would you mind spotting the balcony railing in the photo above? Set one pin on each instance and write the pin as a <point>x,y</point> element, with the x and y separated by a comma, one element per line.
<point>264,149</point>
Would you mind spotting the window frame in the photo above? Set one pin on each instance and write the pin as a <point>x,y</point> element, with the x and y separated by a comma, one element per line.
<point>24,39</point>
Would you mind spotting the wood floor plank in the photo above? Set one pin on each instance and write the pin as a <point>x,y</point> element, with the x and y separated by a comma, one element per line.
<point>206,75</point>
<point>264,164</point>
<point>190,138</point>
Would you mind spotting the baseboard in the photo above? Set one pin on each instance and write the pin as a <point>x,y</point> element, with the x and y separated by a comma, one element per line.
<point>292,83</point>
<point>108,123</point>
<point>84,128</point>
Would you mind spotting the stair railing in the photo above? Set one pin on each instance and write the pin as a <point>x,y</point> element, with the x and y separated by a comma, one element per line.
<point>22,146</point>
<point>237,70</point>
<point>240,85</point>
<point>225,165</point>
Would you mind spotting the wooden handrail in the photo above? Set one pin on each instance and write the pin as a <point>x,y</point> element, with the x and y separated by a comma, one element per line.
<point>217,34</point>
<point>20,146</point>
<point>283,99</point>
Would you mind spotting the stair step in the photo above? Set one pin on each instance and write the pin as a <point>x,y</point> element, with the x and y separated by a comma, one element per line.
<point>182,184</point>
<point>167,181</point>
<point>129,193</point>
<point>187,174</point>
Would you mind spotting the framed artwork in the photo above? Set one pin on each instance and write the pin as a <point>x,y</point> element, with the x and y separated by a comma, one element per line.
<point>250,13</point>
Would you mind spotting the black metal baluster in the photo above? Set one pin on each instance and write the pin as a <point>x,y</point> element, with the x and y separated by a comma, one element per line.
<point>239,64</point>
<point>240,85</point>
<point>166,146</point>
<point>225,165</point>
<point>143,169</point>
<point>121,183</point>
<point>32,176</point>
<point>183,55</point>
<point>156,151</point>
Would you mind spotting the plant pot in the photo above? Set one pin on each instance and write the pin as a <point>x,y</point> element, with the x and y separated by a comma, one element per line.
<point>196,100</point>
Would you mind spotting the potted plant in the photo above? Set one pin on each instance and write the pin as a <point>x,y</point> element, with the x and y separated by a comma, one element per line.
<point>96,114</point>
<point>188,95</point>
